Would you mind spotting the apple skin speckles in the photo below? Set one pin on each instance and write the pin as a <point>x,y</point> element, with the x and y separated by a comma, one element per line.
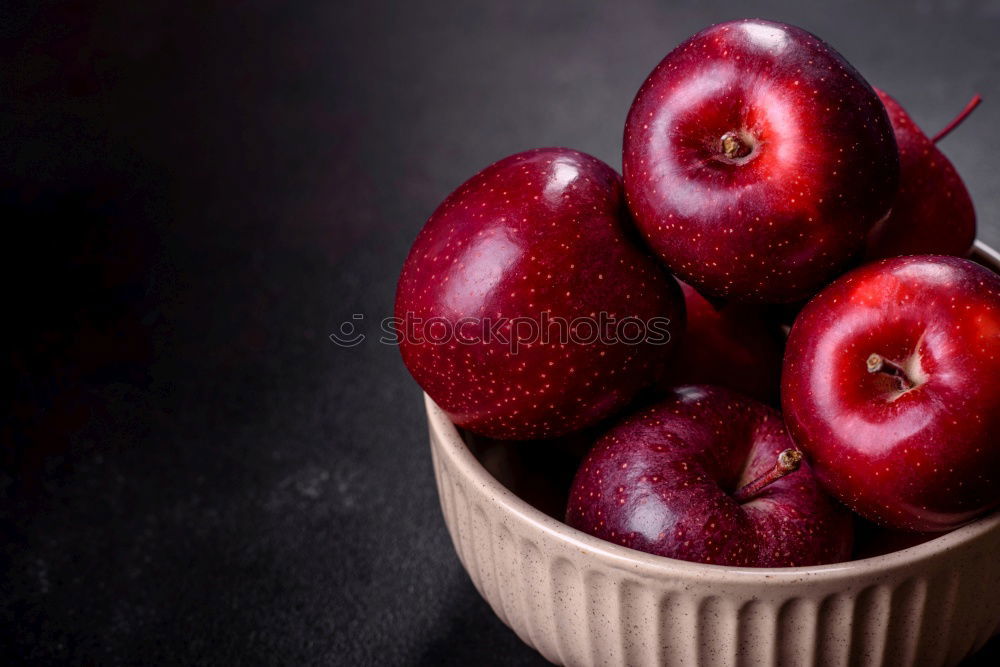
<point>662,480</point>
<point>925,458</point>
<point>756,160</point>
<point>544,233</point>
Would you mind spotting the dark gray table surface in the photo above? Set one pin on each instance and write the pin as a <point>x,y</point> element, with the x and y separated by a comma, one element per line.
<point>195,196</point>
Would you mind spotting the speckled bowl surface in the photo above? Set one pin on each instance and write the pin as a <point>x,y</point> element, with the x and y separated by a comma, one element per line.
<point>580,600</point>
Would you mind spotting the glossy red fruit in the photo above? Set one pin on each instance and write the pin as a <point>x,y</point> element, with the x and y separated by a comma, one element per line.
<point>664,481</point>
<point>891,385</point>
<point>933,212</point>
<point>731,345</point>
<point>756,160</point>
<point>557,315</point>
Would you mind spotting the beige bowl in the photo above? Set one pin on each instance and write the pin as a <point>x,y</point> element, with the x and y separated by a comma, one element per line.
<point>580,600</point>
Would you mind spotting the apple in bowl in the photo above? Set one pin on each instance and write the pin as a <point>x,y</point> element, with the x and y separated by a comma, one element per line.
<point>756,160</point>
<point>708,475</point>
<point>528,306</point>
<point>891,385</point>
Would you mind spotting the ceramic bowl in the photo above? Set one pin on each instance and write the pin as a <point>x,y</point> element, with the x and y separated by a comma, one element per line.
<point>579,600</point>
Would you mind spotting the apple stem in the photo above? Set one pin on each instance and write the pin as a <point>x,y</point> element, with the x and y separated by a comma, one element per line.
<point>787,463</point>
<point>734,146</point>
<point>957,120</point>
<point>879,364</point>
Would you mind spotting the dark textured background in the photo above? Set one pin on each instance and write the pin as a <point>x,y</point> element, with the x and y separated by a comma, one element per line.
<point>194,197</point>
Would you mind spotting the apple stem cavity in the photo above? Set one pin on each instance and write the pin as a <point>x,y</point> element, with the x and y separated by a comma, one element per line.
<point>957,120</point>
<point>879,364</point>
<point>734,146</point>
<point>787,463</point>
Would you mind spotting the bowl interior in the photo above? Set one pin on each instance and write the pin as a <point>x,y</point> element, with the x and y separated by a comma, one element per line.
<point>541,472</point>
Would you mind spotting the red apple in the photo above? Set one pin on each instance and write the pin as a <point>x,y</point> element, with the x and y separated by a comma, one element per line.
<point>891,385</point>
<point>756,160</point>
<point>708,475</point>
<point>528,307</point>
<point>731,345</point>
<point>933,211</point>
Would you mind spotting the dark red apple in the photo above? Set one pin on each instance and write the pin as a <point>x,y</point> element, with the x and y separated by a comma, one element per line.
<point>891,385</point>
<point>732,345</point>
<point>708,475</point>
<point>528,307</point>
<point>933,211</point>
<point>756,160</point>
